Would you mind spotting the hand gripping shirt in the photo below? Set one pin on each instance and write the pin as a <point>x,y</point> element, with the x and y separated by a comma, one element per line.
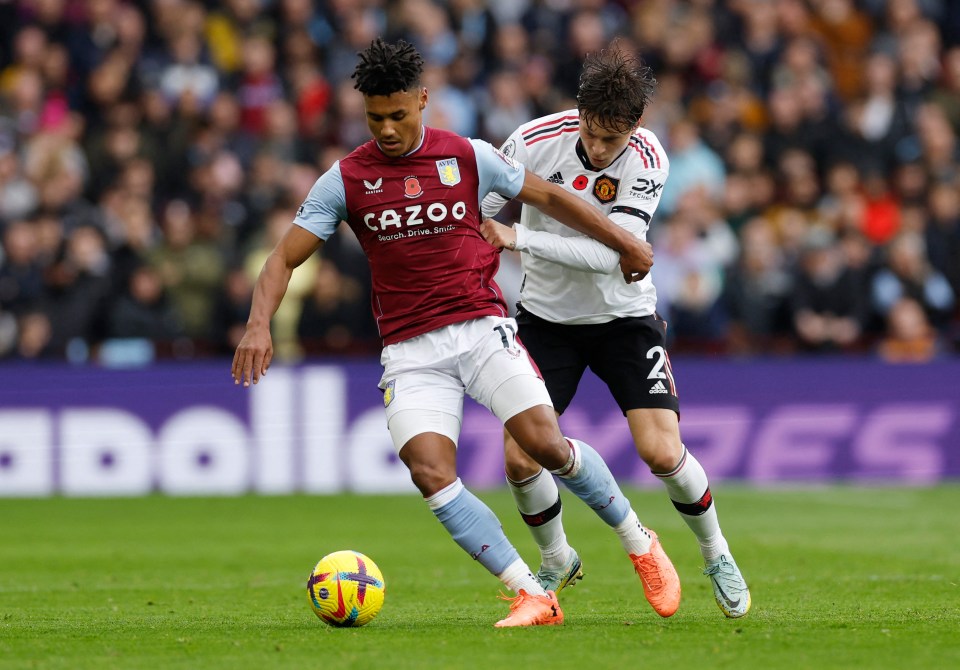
<point>417,218</point>
<point>568,277</point>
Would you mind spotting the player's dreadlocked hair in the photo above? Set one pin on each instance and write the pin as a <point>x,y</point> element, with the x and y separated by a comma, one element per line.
<point>386,68</point>
<point>615,87</point>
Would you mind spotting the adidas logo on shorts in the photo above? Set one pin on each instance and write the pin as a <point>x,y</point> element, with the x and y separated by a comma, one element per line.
<point>659,388</point>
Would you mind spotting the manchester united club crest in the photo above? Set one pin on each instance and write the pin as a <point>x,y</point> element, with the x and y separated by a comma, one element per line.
<point>411,187</point>
<point>605,189</point>
<point>449,172</point>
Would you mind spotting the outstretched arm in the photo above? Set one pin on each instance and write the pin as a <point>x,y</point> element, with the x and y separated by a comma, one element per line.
<point>577,253</point>
<point>255,350</point>
<point>636,256</point>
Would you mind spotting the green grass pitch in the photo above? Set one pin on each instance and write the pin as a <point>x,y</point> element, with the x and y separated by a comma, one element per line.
<point>841,578</point>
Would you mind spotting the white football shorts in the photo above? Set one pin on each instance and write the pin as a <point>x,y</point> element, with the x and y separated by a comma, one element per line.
<point>425,377</point>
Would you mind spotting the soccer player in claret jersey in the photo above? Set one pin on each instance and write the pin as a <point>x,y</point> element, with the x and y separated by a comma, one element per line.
<point>575,313</point>
<point>412,196</point>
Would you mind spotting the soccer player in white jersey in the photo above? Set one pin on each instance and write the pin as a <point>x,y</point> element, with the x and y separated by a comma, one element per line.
<point>575,313</point>
<point>412,196</point>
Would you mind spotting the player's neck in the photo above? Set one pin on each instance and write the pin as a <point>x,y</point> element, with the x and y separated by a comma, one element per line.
<point>416,146</point>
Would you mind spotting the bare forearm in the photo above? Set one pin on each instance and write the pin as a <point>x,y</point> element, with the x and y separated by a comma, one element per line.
<point>269,290</point>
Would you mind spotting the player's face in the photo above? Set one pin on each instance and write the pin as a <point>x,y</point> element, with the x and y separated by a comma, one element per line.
<point>602,144</point>
<point>396,120</point>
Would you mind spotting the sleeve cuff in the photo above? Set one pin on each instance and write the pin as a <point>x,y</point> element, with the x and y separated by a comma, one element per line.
<point>523,236</point>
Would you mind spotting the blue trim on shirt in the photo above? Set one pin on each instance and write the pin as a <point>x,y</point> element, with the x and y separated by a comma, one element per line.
<point>325,206</point>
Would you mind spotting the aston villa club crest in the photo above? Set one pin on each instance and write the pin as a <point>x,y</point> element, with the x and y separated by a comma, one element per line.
<point>389,392</point>
<point>449,172</point>
<point>411,187</point>
<point>605,189</point>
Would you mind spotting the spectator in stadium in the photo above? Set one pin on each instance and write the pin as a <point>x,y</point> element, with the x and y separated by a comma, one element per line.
<point>907,272</point>
<point>881,117</point>
<point>412,197</point>
<point>507,104</point>
<point>144,311</point>
<point>21,271</point>
<point>18,195</point>
<point>689,281</point>
<point>828,309</point>
<point>946,94</point>
<point>575,313</point>
<point>845,32</point>
<point>695,164</point>
<point>34,334</point>
<point>909,337</point>
<point>186,76</point>
<point>938,145</point>
<point>756,292</point>
<point>259,86</point>
<point>942,232</point>
<point>78,287</point>
<point>870,83</point>
<point>191,267</point>
<point>336,314</point>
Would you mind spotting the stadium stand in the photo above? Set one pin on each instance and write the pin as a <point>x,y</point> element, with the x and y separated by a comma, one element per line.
<point>149,151</point>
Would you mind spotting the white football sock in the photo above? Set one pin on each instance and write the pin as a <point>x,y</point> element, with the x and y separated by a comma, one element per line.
<point>633,536</point>
<point>538,500</point>
<point>689,491</point>
<point>518,576</point>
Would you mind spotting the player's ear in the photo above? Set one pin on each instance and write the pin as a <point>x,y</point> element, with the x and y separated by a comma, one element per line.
<point>424,96</point>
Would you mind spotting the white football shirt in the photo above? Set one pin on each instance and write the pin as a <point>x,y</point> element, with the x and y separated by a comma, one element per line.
<point>567,276</point>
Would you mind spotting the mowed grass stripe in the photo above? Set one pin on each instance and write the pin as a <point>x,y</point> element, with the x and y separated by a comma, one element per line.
<point>160,582</point>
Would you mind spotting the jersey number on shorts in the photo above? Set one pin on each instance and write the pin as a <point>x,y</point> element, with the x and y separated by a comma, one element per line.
<point>657,371</point>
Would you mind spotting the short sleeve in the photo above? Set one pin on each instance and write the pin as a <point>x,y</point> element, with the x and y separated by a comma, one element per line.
<point>513,148</point>
<point>325,206</point>
<point>498,172</point>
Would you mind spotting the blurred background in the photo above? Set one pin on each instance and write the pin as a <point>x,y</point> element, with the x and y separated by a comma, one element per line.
<point>151,151</point>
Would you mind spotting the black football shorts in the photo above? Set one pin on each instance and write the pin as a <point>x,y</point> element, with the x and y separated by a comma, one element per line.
<point>628,354</point>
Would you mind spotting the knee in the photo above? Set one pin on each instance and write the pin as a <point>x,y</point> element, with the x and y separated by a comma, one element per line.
<point>517,465</point>
<point>549,450</point>
<point>429,478</point>
<point>661,454</point>
<point>538,434</point>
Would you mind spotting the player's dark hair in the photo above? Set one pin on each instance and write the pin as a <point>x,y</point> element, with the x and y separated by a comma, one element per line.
<point>386,68</point>
<point>615,87</point>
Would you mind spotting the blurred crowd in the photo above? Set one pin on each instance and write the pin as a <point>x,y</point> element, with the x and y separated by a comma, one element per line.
<point>151,151</point>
